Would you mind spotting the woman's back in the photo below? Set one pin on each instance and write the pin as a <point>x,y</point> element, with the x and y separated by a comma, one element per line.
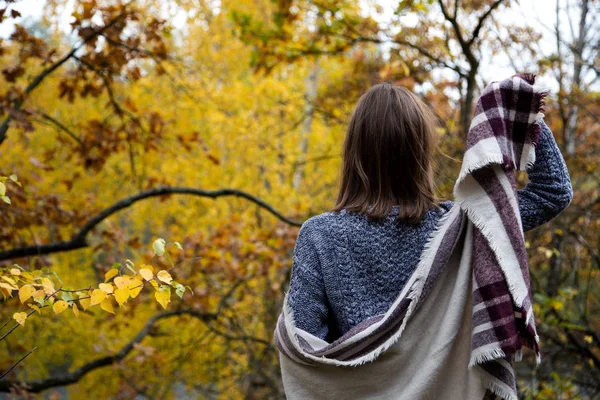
<point>348,267</point>
<point>355,266</point>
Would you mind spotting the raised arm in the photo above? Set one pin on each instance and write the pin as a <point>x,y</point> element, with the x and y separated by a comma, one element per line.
<point>549,189</point>
<point>306,296</point>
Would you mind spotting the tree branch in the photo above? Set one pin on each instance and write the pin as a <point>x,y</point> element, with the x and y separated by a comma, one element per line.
<point>59,125</point>
<point>79,240</point>
<point>466,47</point>
<point>18,362</point>
<point>481,21</point>
<point>429,55</point>
<point>42,75</point>
<point>69,378</point>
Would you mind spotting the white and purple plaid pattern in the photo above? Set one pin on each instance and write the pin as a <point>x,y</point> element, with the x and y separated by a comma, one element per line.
<point>501,139</point>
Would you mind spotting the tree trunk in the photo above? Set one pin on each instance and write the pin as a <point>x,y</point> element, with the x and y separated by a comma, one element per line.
<point>570,130</point>
<point>310,95</point>
<point>466,111</point>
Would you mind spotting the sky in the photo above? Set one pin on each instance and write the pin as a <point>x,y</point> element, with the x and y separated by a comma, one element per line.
<point>537,13</point>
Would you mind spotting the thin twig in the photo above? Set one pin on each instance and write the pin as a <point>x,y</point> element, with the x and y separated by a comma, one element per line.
<point>17,363</point>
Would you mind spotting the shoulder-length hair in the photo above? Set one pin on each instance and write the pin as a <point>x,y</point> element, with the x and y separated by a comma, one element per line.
<point>388,153</point>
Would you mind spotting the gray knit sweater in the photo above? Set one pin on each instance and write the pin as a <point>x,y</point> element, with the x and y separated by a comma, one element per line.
<point>347,268</point>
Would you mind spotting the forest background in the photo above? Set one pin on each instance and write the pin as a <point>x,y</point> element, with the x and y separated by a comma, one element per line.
<point>217,125</point>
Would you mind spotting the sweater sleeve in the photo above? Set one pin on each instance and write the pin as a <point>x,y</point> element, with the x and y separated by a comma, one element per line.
<point>549,189</point>
<point>306,297</point>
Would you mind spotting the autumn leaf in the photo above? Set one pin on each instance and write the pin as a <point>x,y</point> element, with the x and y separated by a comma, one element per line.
<point>10,281</point>
<point>75,310</point>
<point>15,271</point>
<point>8,287</point>
<point>121,281</point>
<point>48,286</point>
<point>107,306</point>
<point>60,306</point>
<point>106,287</point>
<point>164,276</point>
<point>98,297</point>
<point>25,293</point>
<point>135,287</point>
<point>85,303</point>
<point>121,296</point>
<point>146,274</point>
<point>557,305</point>
<point>110,274</point>
<point>163,296</point>
<point>20,317</point>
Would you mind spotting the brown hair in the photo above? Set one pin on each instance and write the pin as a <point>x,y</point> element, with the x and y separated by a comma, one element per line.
<point>388,155</point>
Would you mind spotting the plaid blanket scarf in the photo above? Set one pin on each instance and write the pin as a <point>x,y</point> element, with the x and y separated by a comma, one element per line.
<point>466,312</point>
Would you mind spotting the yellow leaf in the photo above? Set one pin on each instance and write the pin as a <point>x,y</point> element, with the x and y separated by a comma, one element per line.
<point>7,286</point>
<point>589,339</point>
<point>146,274</point>
<point>98,297</point>
<point>9,280</point>
<point>164,276</point>
<point>121,295</point>
<point>106,287</point>
<point>148,267</point>
<point>26,292</point>
<point>121,281</point>
<point>60,306</point>
<point>135,287</point>
<point>75,310</point>
<point>107,306</point>
<point>163,296</point>
<point>110,274</point>
<point>154,284</point>
<point>557,305</point>
<point>15,271</point>
<point>38,294</point>
<point>85,303</point>
<point>20,317</point>
<point>48,286</point>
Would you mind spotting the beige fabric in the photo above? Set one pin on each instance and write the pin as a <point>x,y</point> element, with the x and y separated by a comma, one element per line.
<point>429,361</point>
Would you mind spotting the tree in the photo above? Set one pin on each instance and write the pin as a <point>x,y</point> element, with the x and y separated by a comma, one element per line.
<point>141,130</point>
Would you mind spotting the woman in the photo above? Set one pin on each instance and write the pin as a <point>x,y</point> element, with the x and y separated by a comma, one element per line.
<point>386,210</point>
<point>351,264</point>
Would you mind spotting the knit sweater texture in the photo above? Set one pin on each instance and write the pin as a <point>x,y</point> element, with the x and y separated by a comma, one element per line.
<point>347,268</point>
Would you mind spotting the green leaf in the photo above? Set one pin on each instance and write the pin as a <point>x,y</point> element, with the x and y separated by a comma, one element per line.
<point>57,277</point>
<point>129,264</point>
<point>67,296</point>
<point>168,256</point>
<point>5,199</point>
<point>159,246</point>
<point>179,290</point>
